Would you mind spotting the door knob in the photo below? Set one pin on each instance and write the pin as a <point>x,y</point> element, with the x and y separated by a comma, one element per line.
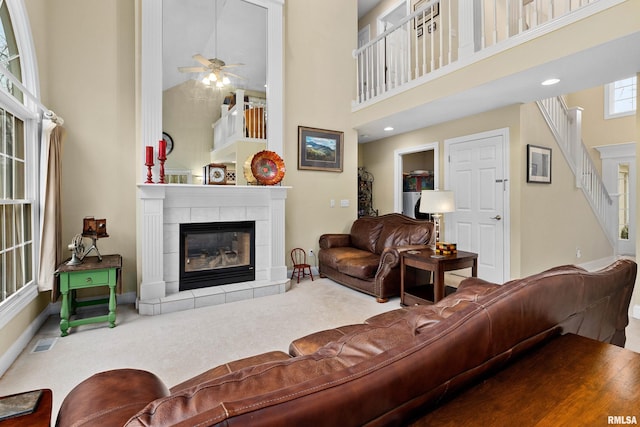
<point>497,217</point>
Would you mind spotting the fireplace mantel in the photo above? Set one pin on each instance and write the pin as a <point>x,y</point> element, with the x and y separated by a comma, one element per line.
<point>163,207</point>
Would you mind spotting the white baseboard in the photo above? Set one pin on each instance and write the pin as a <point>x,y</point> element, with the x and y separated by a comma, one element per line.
<point>314,271</point>
<point>10,356</point>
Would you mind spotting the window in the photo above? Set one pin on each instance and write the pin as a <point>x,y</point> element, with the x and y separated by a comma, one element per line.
<point>16,244</point>
<point>620,98</point>
<point>9,55</point>
<point>18,168</point>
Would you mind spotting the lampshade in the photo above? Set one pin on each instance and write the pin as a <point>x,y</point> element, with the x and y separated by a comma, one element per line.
<point>437,202</point>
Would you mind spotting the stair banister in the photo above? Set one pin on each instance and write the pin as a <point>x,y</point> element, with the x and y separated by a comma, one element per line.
<point>566,124</point>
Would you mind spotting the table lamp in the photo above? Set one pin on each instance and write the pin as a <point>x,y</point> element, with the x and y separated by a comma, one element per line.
<point>436,203</point>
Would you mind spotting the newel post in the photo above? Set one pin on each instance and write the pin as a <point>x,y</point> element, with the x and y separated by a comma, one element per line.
<point>574,134</point>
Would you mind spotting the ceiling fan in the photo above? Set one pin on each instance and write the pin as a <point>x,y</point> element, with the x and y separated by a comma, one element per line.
<point>216,69</point>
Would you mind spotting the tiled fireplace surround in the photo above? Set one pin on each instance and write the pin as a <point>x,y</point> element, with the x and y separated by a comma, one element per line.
<point>164,207</point>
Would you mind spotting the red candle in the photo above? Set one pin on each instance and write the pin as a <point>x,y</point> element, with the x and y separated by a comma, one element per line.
<point>149,156</point>
<point>162,149</point>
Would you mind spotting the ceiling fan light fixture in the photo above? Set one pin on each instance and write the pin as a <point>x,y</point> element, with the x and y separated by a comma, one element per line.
<point>206,81</point>
<point>225,80</point>
<point>219,84</point>
<point>213,77</point>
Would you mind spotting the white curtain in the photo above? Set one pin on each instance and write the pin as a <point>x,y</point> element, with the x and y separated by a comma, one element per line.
<point>51,254</point>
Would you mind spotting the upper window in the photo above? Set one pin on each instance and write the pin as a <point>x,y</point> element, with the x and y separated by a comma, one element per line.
<point>18,143</point>
<point>620,98</point>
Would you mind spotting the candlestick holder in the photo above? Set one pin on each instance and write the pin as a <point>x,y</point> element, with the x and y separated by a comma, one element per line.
<point>149,173</point>
<point>162,159</point>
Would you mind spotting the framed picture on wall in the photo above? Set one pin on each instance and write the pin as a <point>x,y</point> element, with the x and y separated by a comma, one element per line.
<point>320,149</point>
<point>429,13</point>
<point>538,164</point>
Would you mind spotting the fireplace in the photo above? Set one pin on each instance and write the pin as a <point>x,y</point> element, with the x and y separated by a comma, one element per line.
<point>216,253</point>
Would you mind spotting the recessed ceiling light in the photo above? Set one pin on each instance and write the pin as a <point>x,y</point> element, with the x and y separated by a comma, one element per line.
<point>388,129</point>
<point>550,82</point>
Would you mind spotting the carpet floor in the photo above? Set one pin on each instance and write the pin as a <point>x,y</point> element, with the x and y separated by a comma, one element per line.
<point>179,345</point>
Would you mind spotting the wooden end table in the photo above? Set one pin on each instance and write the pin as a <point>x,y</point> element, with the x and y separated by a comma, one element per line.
<point>426,259</point>
<point>91,273</point>
<point>41,417</point>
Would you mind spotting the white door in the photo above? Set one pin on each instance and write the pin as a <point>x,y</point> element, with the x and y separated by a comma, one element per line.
<point>477,174</point>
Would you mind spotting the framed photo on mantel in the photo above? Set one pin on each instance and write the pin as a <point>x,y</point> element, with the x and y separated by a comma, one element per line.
<point>538,164</point>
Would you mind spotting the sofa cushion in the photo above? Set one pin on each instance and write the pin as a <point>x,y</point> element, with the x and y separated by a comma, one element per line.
<point>227,368</point>
<point>364,267</point>
<point>403,234</point>
<point>331,257</point>
<point>311,343</point>
<point>365,233</point>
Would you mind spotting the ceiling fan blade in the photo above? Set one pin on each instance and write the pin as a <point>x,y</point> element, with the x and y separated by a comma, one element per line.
<point>234,75</point>
<point>201,59</point>
<point>232,65</point>
<point>192,69</point>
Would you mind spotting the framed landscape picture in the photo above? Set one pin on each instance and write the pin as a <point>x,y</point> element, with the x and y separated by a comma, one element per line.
<point>320,149</point>
<point>538,164</point>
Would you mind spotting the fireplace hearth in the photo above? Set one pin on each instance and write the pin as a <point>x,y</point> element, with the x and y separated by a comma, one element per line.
<point>163,208</point>
<point>216,253</point>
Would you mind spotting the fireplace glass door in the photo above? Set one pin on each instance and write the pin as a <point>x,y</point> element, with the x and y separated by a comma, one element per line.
<point>216,253</point>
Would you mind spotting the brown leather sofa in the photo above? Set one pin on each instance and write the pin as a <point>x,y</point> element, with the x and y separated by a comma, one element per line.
<point>368,258</point>
<point>390,370</point>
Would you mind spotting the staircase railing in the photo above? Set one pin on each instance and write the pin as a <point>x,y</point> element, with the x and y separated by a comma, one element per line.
<point>566,124</point>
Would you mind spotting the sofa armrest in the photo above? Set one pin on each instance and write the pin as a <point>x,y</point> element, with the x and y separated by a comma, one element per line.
<point>110,398</point>
<point>334,241</point>
<point>389,266</point>
<point>390,257</point>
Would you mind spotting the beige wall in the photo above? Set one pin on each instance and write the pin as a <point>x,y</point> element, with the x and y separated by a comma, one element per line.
<point>595,129</point>
<point>619,21</point>
<point>636,292</point>
<point>85,51</point>
<point>548,222</point>
<point>85,54</point>
<point>556,218</point>
<point>319,87</point>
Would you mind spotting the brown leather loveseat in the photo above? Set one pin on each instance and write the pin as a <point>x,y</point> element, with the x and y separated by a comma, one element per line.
<point>388,371</point>
<point>368,258</point>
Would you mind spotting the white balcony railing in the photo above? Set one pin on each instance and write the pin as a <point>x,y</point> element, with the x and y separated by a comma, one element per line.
<point>443,32</point>
<point>565,124</point>
<point>243,121</point>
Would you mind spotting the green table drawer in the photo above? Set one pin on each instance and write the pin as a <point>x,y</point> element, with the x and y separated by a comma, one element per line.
<point>88,279</point>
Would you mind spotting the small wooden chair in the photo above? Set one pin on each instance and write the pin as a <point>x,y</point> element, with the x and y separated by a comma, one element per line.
<point>300,266</point>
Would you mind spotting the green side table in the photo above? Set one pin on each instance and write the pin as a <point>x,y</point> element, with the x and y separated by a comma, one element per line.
<point>90,274</point>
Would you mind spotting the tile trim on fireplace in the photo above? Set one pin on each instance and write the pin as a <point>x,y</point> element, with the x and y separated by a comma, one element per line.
<point>163,207</point>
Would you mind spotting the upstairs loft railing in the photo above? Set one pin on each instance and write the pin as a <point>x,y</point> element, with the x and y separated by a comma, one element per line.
<point>565,124</point>
<point>244,121</point>
<point>441,33</point>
